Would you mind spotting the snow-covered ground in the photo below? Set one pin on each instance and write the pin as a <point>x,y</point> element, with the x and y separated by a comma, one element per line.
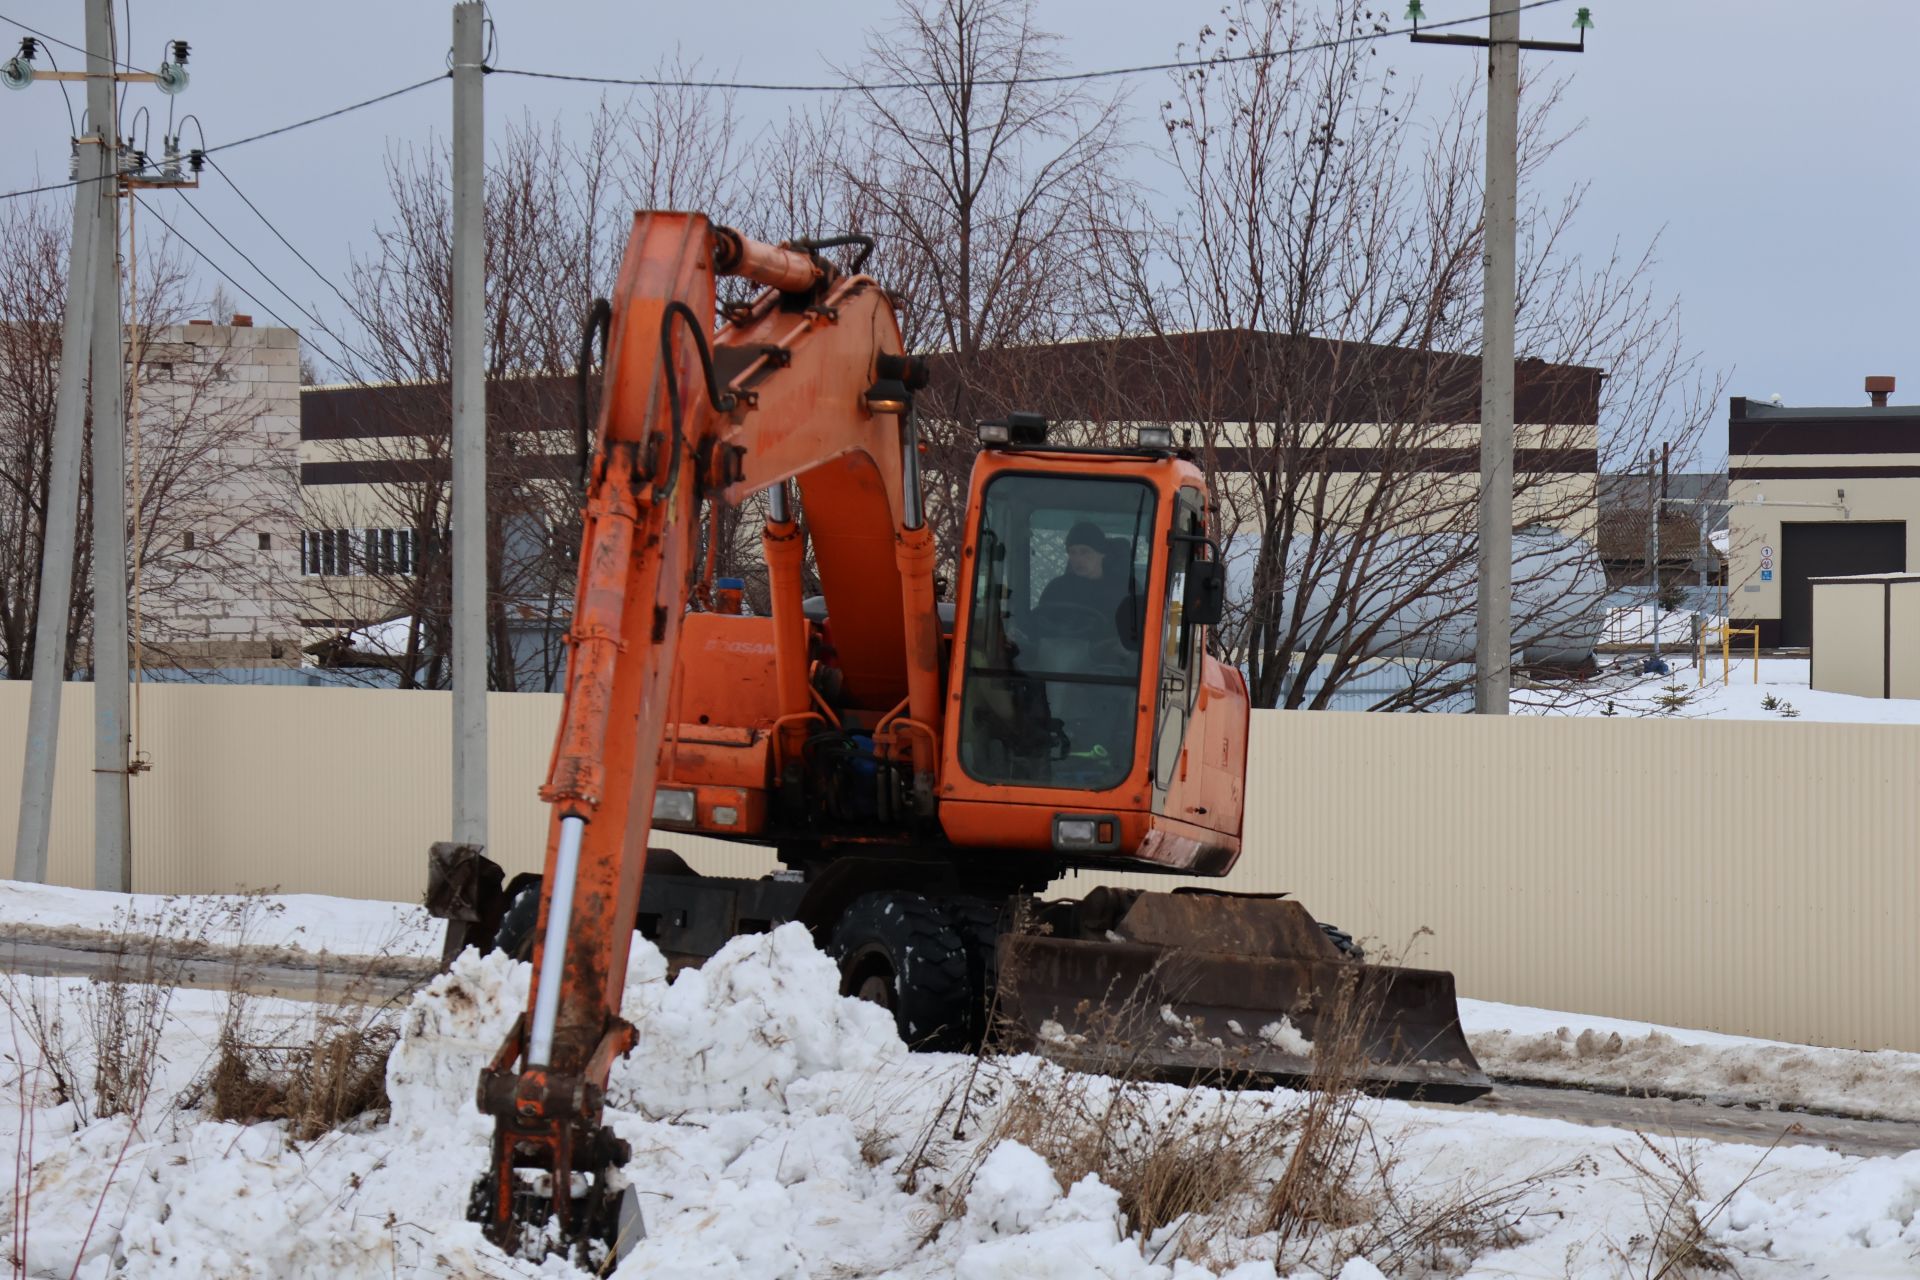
<point>298,921</point>
<point>782,1132</point>
<point>1781,693</point>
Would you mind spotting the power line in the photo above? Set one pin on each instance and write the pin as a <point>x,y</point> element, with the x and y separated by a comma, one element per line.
<point>312,319</point>
<point>1065,77</point>
<point>246,292</point>
<point>241,142</point>
<point>368,102</point>
<point>124,66</point>
<point>324,277</point>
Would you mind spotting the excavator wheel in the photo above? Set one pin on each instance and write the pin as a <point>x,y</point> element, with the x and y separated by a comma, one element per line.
<point>1343,940</point>
<point>521,919</point>
<point>909,954</point>
<point>517,925</point>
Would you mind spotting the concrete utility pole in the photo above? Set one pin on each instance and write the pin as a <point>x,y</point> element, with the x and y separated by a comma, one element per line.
<point>1493,617</point>
<point>1493,614</point>
<point>112,826</point>
<point>91,277</point>
<point>97,163</point>
<point>469,434</point>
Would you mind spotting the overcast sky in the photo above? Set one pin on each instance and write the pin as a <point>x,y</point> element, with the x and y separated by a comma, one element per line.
<point>1768,144</point>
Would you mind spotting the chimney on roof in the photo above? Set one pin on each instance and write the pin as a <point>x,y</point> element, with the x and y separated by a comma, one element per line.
<point>1880,386</point>
<point>246,322</point>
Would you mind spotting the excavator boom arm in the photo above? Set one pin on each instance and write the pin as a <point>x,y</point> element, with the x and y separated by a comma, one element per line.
<point>670,437</point>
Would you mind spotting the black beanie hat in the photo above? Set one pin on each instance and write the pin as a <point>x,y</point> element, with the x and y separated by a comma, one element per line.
<point>1087,534</point>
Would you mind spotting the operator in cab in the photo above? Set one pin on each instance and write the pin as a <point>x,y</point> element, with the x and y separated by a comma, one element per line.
<point>1096,581</point>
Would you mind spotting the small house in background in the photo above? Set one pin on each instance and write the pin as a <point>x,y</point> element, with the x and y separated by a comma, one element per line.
<point>1625,529</point>
<point>1817,493</point>
<point>1866,635</point>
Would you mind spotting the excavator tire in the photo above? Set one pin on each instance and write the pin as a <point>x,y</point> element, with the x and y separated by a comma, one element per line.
<point>908,953</point>
<point>1343,940</point>
<point>521,919</point>
<point>517,925</point>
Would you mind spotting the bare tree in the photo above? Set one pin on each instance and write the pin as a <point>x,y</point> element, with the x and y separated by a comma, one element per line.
<point>975,185</point>
<point>1333,270</point>
<point>557,221</point>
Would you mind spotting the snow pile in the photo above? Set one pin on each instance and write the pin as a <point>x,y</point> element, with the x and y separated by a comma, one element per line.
<point>1872,1207</point>
<point>1788,1077</point>
<point>780,1132</point>
<point>735,1033</point>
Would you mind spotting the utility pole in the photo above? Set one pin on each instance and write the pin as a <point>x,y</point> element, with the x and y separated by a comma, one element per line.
<point>97,162</point>
<point>1493,616</point>
<point>1656,665</point>
<point>112,828</point>
<point>1493,612</point>
<point>90,333</point>
<point>469,433</point>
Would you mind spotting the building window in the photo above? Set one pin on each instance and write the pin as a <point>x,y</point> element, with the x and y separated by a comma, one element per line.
<point>266,542</point>
<point>186,540</point>
<point>343,552</point>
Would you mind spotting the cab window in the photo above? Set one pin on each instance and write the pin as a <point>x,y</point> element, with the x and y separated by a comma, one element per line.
<point>1051,685</point>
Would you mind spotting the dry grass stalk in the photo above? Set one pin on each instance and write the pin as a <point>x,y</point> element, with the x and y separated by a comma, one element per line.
<point>1443,1233</point>
<point>1171,1154</point>
<point>37,1009</point>
<point>1676,1240</point>
<point>317,1074</point>
<point>1316,1189</point>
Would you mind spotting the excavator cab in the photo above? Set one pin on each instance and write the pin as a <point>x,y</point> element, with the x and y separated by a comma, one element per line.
<point>1054,648</point>
<point>1085,702</point>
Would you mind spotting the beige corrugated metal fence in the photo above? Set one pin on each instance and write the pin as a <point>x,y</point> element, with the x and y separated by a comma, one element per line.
<point>1751,877</point>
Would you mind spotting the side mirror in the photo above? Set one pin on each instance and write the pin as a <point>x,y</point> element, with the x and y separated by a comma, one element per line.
<point>1205,598</point>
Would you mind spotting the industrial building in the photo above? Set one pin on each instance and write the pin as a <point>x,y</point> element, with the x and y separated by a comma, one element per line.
<point>1817,493</point>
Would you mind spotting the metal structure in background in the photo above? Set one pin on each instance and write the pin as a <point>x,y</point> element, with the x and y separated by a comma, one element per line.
<point>469,432</point>
<point>1655,665</point>
<point>1493,614</point>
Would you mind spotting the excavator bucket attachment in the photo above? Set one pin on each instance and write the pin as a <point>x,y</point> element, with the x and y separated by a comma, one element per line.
<point>1231,989</point>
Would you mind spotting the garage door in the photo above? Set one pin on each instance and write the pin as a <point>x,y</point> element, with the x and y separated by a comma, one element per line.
<point>1821,550</point>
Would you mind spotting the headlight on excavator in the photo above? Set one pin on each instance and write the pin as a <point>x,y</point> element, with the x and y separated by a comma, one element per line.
<point>1154,437</point>
<point>671,805</point>
<point>1083,832</point>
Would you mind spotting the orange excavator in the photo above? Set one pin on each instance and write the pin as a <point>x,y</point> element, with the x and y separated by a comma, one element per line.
<point>924,770</point>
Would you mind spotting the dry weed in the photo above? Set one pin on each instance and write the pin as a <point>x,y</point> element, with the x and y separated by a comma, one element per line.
<point>1175,1156</point>
<point>36,1007</point>
<point>316,1073</point>
<point>1675,1242</point>
<point>1316,1190</point>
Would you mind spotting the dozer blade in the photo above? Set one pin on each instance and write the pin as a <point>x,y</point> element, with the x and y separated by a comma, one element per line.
<point>1198,987</point>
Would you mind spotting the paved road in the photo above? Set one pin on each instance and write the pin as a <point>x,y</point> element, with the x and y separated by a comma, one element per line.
<point>298,978</point>
<point>1699,1118</point>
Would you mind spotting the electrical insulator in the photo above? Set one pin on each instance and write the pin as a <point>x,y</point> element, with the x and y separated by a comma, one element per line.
<point>17,71</point>
<point>172,76</point>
